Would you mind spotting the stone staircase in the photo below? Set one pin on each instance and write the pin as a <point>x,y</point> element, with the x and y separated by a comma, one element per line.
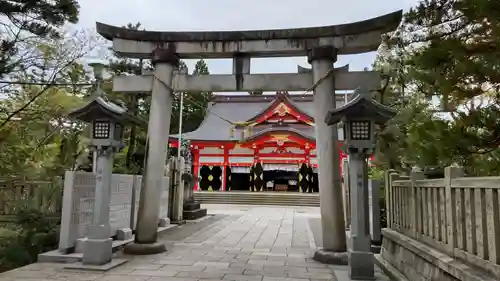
<point>258,198</point>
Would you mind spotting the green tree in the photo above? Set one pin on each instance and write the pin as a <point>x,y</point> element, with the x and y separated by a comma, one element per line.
<point>36,138</point>
<point>130,160</point>
<point>447,50</point>
<point>195,104</point>
<point>23,19</point>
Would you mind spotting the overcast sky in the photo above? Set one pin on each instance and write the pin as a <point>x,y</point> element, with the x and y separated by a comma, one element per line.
<point>179,15</point>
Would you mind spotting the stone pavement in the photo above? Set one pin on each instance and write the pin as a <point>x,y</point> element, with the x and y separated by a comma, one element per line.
<point>246,243</point>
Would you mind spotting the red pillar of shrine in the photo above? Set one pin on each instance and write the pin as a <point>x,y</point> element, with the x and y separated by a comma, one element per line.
<point>225,163</point>
<point>307,151</point>
<point>196,168</point>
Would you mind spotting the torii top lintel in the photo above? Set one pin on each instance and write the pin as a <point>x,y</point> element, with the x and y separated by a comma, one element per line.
<point>351,38</point>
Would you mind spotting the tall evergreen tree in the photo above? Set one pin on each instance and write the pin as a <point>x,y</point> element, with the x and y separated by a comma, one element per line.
<point>448,50</point>
<point>195,105</point>
<point>26,18</point>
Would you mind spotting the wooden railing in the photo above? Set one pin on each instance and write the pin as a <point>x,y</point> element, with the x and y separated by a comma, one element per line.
<point>457,215</point>
<point>44,196</point>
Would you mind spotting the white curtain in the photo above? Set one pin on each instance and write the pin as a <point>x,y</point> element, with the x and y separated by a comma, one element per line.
<point>281,167</point>
<point>240,170</point>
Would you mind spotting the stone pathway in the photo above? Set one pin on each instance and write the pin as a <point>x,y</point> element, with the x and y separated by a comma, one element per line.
<point>250,243</point>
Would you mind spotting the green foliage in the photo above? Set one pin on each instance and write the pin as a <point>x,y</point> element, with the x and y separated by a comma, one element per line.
<point>37,140</point>
<point>446,51</point>
<point>195,104</point>
<point>26,18</point>
<point>34,228</point>
<point>34,233</point>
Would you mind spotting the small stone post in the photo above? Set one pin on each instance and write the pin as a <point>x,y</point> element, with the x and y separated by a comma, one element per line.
<point>451,210</point>
<point>99,244</point>
<point>347,193</point>
<point>416,216</point>
<point>361,262</point>
<point>178,192</point>
<point>375,229</point>
<point>388,196</point>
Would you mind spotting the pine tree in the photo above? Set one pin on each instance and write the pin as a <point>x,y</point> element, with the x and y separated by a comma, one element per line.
<point>195,105</point>
<point>26,18</point>
<point>449,50</point>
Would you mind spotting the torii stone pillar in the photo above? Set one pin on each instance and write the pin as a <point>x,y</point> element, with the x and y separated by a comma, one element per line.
<point>164,60</point>
<point>330,183</point>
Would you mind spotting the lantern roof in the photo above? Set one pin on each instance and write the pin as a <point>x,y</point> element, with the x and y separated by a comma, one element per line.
<point>361,106</point>
<point>101,108</point>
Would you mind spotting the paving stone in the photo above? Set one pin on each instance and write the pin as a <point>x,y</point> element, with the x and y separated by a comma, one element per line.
<point>319,269</point>
<point>123,278</point>
<point>269,278</point>
<point>304,264</point>
<point>212,264</point>
<point>286,268</point>
<point>263,244</point>
<point>310,275</point>
<point>174,279</point>
<point>230,270</point>
<point>175,262</point>
<point>276,273</point>
<point>76,276</point>
<point>241,277</point>
<point>152,273</point>
<point>147,266</point>
<point>266,262</point>
<point>261,257</point>
<point>206,258</point>
<point>122,270</point>
<point>200,275</point>
<point>247,266</point>
<point>194,267</point>
<point>20,273</point>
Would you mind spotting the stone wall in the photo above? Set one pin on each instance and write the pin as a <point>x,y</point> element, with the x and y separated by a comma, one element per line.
<point>78,202</point>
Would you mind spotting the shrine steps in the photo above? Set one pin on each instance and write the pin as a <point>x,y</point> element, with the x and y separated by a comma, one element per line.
<point>258,198</point>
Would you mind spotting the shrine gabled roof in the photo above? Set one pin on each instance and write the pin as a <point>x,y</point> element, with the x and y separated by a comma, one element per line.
<point>281,97</point>
<point>306,133</point>
<point>224,108</point>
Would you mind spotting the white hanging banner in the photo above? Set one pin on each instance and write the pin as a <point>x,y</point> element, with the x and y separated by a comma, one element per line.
<point>240,170</point>
<point>281,167</point>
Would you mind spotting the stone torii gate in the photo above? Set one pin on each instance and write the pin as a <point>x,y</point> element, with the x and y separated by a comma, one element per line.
<point>321,45</point>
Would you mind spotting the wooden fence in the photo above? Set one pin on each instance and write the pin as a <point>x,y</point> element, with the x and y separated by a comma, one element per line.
<point>457,215</point>
<point>45,196</point>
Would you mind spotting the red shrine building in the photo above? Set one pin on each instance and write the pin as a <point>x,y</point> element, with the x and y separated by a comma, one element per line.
<point>257,143</point>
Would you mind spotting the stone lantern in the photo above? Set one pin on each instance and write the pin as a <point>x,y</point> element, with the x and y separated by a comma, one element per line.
<point>107,121</point>
<point>359,117</point>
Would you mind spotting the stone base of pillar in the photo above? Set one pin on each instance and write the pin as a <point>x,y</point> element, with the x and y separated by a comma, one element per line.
<point>329,257</point>
<point>124,234</point>
<point>162,222</point>
<point>361,265</point>
<point>192,210</point>
<point>97,251</point>
<point>80,245</point>
<point>144,249</point>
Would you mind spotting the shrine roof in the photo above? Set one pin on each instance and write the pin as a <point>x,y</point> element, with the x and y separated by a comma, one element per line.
<point>384,23</point>
<point>305,132</point>
<point>224,108</point>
